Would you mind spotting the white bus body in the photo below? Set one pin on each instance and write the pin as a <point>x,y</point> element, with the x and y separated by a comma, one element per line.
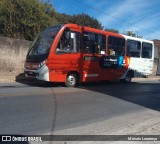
<point>141,53</point>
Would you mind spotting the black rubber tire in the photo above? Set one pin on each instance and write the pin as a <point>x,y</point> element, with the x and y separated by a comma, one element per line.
<point>128,78</point>
<point>71,80</point>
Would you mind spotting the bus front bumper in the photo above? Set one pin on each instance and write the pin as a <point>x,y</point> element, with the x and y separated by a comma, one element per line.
<point>40,74</point>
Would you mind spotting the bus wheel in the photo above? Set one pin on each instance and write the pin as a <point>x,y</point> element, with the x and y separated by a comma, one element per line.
<point>71,80</point>
<point>128,78</point>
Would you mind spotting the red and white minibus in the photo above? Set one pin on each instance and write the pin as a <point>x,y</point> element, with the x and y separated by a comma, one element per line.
<point>72,54</point>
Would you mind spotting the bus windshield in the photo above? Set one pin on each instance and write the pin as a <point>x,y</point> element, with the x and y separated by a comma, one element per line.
<point>43,42</point>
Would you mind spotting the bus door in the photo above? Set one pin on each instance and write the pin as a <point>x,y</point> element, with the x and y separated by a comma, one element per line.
<point>94,45</point>
<point>67,56</point>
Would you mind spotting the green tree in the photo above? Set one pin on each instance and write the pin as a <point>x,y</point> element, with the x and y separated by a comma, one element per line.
<point>86,20</point>
<point>111,30</point>
<point>24,18</point>
<point>132,33</point>
<point>80,19</point>
<point>63,18</point>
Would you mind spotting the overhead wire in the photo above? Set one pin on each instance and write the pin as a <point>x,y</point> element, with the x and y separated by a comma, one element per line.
<point>119,19</point>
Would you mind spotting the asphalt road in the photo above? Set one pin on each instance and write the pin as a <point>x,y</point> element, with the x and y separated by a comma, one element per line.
<point>46,108</point>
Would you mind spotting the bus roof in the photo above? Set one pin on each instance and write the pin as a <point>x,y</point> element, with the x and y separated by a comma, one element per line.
<point>94,30</point>
<point>102,32</point>
<point>136,39</point>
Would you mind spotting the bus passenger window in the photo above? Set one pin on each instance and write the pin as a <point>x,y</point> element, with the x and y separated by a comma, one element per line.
<point>116,46</point>
<point>94,43</point>
<point>90,43</point>
<point>69,45</point>
<point>146,50</point>
<point>75,41</point>
<point>133,48</point>
<point>101,44</point>
<point>110,47</point>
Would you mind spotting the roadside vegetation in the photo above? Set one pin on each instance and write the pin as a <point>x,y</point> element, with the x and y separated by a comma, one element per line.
<point>24,19</point>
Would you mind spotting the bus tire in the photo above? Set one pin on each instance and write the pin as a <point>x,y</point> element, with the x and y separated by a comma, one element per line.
<point>71,79</point>
<point>128,77</point>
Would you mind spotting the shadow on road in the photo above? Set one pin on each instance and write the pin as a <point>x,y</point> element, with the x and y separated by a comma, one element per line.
<point>143,94</point>
<point>34,82</point>
<point>38,83</point>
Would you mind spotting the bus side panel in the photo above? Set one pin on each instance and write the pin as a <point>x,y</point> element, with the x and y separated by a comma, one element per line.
<point>92,71</point>
<point>91,68</point>
<point>141,66</point>
<point>111,74</point>
<point>60,65</point>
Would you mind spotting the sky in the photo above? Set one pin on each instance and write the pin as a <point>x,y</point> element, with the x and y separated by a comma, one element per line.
<point>140,16</point>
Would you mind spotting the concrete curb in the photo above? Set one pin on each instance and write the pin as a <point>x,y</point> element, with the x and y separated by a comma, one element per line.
<point>157,78</point>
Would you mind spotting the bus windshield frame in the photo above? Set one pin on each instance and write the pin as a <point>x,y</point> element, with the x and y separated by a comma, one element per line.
<point>43,42</point>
